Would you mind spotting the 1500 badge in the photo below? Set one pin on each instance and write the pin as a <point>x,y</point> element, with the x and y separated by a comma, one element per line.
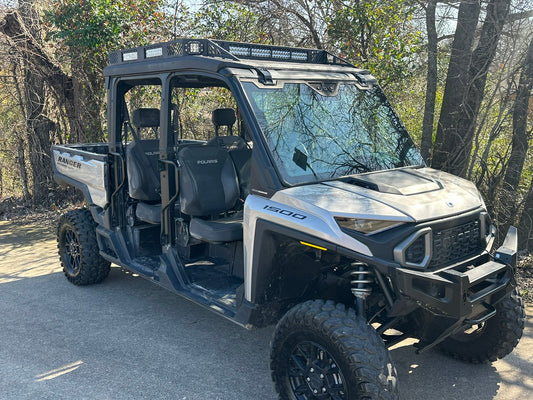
<point>281,211</point>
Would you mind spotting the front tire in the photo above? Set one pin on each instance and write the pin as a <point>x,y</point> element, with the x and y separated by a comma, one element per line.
<point>322,350</point>
<point>78,249</point>
<point>492,339</point>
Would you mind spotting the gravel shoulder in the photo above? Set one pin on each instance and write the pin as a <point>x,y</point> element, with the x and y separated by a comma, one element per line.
<point>129,339</point>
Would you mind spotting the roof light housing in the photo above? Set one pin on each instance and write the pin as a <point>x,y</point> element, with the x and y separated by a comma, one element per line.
<point>194,48</point>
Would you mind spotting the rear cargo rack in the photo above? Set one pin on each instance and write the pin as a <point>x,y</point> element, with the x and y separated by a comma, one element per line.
<point>224,49</point>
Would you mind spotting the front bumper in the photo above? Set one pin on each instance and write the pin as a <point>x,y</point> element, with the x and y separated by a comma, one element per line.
<point>460,296</point>
<point>464,292</point>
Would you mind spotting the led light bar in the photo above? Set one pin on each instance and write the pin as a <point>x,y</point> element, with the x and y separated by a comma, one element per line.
<point>130,56</point>
<point>155,52</point>
<point>281,54</point>
<point>225,49</point>
<point>261,53</point>
<point>239,51</point>
<point>300,56</point>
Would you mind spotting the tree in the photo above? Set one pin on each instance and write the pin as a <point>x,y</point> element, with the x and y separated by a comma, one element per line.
<point>465,83</point>
<point>225,21</point>
<point>293,22</point>
<point>431,82</point>
<point>519,147</point>
<point>61,80</point>
<point>378,35</point>
<point>32,93</point>
<point>521,135</point>
<point>84,32</point>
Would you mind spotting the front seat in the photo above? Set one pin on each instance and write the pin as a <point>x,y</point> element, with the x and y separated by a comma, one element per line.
<point>209,188</point>
<point>142,157</point>
<point>237,148</point>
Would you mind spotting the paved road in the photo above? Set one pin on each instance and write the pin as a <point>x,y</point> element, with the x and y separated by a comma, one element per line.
<point>129,339</point>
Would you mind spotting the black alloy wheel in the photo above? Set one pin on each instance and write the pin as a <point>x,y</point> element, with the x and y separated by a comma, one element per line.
<point>72,253</point>
<point>314,373</point>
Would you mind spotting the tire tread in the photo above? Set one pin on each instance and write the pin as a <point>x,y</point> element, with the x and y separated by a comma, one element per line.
<point>368,359</point>
<point>94,268</point>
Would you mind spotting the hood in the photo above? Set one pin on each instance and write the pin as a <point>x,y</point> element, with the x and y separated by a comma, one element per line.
<point>408,195</point>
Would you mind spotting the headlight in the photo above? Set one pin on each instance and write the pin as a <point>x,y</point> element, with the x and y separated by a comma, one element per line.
<point>366,226</point>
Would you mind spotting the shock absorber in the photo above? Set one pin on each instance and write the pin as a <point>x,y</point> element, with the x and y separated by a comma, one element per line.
<point>361,279</point>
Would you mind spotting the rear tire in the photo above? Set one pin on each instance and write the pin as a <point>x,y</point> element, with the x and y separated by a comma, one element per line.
<point>492,339</point>
<point>78,249</point>
<point>322,350</point>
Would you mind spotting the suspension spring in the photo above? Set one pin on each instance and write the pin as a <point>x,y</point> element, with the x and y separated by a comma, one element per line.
<point>361,280</point>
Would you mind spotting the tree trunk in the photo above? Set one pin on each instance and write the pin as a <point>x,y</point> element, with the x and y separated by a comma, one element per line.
<point>525,227</point>
<point>34,99</point>
<point>459,122</point>
<point>520,134</point>
<point>456,83</point>
<point>482,57</point>
<point>21,161</point>
<point>87,102</point>
<point>519,149</point>
<point>431,83</point>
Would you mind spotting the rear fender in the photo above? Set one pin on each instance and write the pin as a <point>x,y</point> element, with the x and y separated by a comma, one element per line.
<point>87,172</point>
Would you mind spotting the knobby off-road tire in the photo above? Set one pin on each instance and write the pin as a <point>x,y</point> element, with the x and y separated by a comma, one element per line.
<point>322,350</point>
<point>492,339</point>
<point>78,249</point>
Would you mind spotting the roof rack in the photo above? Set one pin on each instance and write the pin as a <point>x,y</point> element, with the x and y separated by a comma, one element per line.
<point>224,49</point>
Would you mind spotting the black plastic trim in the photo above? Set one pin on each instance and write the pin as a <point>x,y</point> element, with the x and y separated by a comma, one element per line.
<point>262,264</point>
<point>382,244</point>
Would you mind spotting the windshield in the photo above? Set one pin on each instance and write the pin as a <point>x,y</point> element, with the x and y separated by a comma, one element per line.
<point>320,131</point>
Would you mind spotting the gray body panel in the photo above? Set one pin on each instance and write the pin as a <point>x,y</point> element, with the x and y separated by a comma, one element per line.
<point>87,171</point>
<point>418,195</point>
<point>424,194</point>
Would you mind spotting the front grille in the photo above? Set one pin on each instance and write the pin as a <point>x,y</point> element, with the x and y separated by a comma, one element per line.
<point>449,245</point>
<point>454,244</point>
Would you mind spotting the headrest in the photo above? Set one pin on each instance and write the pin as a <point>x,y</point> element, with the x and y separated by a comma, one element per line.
<point>146,117</point>
<point>223,117</point>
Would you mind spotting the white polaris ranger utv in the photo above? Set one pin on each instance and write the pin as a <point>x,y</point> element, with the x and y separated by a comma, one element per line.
<point>276,185</point>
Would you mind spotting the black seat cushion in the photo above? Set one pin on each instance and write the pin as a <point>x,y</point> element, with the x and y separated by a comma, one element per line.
<point>241,154</point>
<point>208,181</point>
<point>223,230</point>
<point>150,213</point>
<point>143,175</point>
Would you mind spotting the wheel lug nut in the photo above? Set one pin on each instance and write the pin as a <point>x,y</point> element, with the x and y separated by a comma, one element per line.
<point>323,390</point>
<point>308,379</point>
<point>321,376</point>
<point>312,370</point>
<point>315,391</point>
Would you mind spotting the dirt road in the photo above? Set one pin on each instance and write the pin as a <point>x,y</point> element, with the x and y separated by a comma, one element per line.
<point>129,339</point>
